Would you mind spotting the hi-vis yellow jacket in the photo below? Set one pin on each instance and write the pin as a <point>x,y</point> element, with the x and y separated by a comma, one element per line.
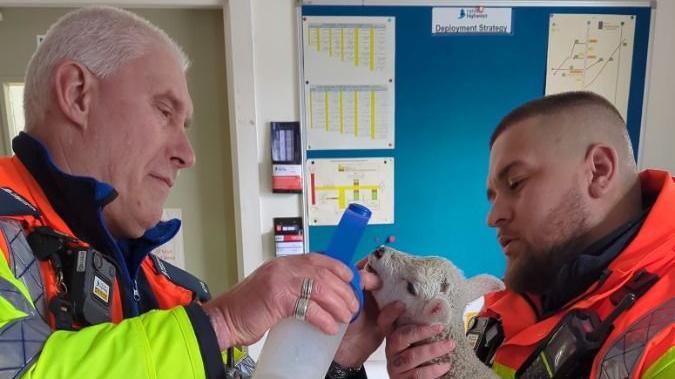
<point>159,332</point>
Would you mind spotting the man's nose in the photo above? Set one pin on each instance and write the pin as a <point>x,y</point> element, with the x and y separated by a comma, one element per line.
<point>183,155</point>
<point>499,214</point>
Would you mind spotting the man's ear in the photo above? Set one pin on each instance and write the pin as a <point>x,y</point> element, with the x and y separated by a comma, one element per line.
<point>601,161</point>
<point>73,84</point>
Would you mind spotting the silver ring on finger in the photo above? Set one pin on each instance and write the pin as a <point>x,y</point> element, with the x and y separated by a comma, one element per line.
<point>307,286</point>
<point>301,306</point>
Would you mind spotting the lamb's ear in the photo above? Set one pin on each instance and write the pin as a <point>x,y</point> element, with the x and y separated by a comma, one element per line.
<point>479,285</point>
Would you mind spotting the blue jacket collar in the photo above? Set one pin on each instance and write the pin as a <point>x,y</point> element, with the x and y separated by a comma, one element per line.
<point>79,201</point>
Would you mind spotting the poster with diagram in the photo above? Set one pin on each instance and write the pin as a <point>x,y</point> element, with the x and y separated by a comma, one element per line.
<point>335,183</point>
<point>591,52</point>
<point>348,68</point>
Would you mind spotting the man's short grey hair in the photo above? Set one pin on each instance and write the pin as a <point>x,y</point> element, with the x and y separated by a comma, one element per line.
<point>100,38</point>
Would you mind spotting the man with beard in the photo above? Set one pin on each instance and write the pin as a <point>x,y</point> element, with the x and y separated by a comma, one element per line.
<point>590,247</point>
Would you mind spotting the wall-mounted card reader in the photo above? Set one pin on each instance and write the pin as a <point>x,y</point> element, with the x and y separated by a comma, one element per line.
<point>286,157</point>
<point>288,236</point>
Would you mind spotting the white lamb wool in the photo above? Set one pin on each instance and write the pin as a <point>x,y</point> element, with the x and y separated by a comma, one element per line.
<point>433,291</point>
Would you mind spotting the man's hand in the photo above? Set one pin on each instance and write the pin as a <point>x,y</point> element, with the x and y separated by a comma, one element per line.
<point>405,361</point>
<point>243,314</point>
<point>362,337</point>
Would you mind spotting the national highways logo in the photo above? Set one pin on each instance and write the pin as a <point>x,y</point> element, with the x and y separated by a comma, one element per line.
<point>471,13</point>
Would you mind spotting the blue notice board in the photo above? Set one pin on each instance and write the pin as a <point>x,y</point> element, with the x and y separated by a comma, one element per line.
<point>451,91</point>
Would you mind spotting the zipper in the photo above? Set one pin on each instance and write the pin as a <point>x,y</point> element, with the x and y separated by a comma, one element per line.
<point>137,294</point>
<point>124,283</point>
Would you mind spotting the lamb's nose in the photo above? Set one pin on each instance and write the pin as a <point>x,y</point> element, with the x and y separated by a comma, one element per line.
<point>379,252</point>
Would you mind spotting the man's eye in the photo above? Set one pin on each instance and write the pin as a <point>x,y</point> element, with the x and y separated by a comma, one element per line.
<point>411,289</point>
<point>515,184</point>
<point>166,113</point>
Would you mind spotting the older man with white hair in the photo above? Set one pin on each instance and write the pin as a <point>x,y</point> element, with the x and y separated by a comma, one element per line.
<point>107,108</point>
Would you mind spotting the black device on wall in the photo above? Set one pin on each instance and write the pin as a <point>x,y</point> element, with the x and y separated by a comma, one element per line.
<point>286,157</point>
<point>288,236</point>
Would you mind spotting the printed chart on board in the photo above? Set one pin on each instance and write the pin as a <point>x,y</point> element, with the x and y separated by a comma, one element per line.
<point>348,65</point>
<point>591,52</point>
<point>335,183</point>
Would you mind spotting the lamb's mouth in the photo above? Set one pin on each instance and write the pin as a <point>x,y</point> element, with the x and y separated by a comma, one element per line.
<point>370,269</point>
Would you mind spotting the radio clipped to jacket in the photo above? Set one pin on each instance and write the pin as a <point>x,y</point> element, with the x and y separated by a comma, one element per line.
<point>485,334</point>
<point>92,287</point>
<point>569,350</point>
<point>85,278</point>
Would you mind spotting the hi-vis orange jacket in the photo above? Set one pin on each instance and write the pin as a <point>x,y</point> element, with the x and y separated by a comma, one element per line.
<point>642,343</point>
<point>157,328</point>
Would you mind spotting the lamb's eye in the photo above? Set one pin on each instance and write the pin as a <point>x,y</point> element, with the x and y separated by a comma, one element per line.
<point>411,289</point>
<point>445,286</point>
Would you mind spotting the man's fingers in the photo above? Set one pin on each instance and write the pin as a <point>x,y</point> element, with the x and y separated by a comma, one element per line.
<point>388,316</point>
<point>418,355</point>
<point>401,338</point>
<point>318,317</point>
<point>432,371</point>
<point>331,290</point>
<point>337,267</point>
<point>335,297</point>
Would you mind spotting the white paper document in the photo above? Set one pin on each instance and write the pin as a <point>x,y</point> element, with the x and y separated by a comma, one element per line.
<point>349,117</point>
<point>591,52</point>
<point>348,66</point>
<point>172,250</point>
<point>336,183</point>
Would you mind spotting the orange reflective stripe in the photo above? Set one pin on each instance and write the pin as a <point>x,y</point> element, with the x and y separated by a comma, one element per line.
<point>13,174</point>
<point>116,311</point>
<point>503,302</point>
<point>168,294</point>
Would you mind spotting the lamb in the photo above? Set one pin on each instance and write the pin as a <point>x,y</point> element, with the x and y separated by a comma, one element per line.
<point>433,291</point>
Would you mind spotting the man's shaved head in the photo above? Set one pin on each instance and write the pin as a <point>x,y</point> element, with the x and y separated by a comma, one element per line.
<point>575,120</point>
